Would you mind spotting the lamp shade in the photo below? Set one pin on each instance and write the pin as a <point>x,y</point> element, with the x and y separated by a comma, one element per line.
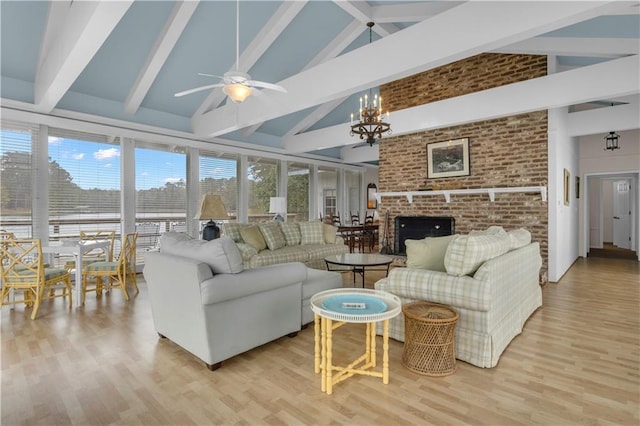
<point>277,205</point>
<point>211,207</point>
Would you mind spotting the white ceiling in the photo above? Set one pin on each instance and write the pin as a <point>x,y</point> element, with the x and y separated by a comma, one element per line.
<point>123,61</point>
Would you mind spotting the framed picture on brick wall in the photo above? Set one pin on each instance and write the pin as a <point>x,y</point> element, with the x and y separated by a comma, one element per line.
<point>448,158</point>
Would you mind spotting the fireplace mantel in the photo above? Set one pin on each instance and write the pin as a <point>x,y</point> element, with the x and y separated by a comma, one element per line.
<point>448,192</point>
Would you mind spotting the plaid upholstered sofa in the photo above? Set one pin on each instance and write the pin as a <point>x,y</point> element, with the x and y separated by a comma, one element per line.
<point>491,278</point>
<point>276,242</point>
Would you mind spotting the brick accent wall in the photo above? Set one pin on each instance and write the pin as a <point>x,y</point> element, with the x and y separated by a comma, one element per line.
<point>468,75</point>
<point>510,151</point>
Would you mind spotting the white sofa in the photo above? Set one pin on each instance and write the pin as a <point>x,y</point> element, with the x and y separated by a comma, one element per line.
<point>275,242</point>
<point>490,278</point>
<point>205,301</point>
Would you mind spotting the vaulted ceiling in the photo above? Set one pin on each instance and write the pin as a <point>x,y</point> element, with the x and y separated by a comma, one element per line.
<point>121,62</point>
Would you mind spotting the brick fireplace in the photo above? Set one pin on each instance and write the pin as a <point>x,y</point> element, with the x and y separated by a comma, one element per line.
<point>504,152</point>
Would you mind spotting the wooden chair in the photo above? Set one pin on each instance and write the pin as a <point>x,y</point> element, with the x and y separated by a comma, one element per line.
<point>357,235</point>
<point>120,273</point>
<point>148,235</point>
<point>371,235</point>
<point>5,235</point>
<point>355,218</point>
<point>96,255</point>
<point>23,270</point>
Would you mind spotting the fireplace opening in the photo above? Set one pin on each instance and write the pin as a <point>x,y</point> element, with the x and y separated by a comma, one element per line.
<point>419,227</point>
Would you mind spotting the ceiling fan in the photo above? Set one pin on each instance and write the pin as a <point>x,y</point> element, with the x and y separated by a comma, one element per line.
<point>235,84</point>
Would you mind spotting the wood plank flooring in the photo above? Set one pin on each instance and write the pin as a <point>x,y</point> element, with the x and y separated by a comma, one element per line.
<point>576,363</point>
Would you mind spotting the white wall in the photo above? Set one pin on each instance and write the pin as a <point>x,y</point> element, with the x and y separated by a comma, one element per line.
<point>595,162</point>
<point>593,191</point>
<point>563,219</point>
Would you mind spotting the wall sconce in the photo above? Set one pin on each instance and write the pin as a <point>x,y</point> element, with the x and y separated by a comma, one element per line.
<point>611,141</point>
<point>372,203</point>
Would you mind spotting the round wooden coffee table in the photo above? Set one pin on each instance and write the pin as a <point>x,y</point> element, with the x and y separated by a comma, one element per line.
<point>358,262</point>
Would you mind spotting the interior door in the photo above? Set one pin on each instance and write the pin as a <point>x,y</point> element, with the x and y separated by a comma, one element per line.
<point>621,214</point>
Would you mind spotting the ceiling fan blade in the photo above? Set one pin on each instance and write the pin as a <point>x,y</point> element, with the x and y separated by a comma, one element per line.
<point>266,85</point>
<point>198,89</point>
<point>210,75</point>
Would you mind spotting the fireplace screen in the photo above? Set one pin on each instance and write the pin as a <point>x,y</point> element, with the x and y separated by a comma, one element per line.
<point>419,227</point>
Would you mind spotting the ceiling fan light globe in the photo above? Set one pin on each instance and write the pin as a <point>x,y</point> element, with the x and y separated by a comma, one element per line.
<point>237,92</point>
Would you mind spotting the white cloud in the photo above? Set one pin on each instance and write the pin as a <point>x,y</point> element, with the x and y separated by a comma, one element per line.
<point>78,156</point>
<point>54,140</point>
<point>106,154</point>
<point>108,166</point>
<point>172,180</point>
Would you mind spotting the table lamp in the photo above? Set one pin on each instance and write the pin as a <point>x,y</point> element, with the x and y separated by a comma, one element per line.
<point>211,208</point>
<point>278,205</point>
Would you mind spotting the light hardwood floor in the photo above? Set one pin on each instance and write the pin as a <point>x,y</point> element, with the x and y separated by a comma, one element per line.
<point>576,363</point>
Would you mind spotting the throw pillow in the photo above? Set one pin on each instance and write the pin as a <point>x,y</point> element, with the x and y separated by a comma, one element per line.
<point>428,253</point>
<point>492,230</point>
<point>329,232</point>
<point>311,233</point>
<point>222,254</point>
<point>519,238</point>
<point>252,236</point>
<point>466,253</point>
<point>291,232</point>
<point>233,230</point>
<point>273,235</point>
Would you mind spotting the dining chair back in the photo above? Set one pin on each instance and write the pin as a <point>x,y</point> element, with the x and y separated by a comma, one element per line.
<point>6,235</point>
<point>355,218</point>
<point>371,235</point>
<point>148,235</point>
<point>119,273</point>
<point>100,254</point>
<point>335,219</point>
<point>23,270</point>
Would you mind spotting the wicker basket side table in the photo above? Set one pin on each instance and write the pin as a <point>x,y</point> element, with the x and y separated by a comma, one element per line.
<point>429,338</point>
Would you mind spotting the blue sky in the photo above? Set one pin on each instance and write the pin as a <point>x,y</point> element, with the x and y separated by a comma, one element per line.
<point>97,165</point>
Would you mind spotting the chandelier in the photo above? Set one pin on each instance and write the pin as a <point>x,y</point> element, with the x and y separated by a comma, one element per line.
<point>611,141</point>
<point>371,122</point>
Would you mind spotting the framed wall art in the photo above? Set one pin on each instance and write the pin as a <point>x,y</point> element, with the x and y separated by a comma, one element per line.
<point>448,158</point>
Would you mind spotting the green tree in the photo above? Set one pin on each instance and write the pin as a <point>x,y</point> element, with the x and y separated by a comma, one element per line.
<point>15,182</point>
<point>262,185</point>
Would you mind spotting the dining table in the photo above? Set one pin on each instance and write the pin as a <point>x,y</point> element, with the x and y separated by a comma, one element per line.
<point>77,249</point>
<point>355,232</point>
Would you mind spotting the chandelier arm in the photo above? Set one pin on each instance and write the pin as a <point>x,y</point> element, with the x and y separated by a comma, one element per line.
<point>370,117</point>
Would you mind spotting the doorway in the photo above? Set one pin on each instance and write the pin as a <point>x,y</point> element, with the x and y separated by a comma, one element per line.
<point>611,203</point>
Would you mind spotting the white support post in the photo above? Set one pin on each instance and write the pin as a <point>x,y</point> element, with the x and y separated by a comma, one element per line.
<point>193,190</point>
<point>127,185</point>
<point>40,184</point>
